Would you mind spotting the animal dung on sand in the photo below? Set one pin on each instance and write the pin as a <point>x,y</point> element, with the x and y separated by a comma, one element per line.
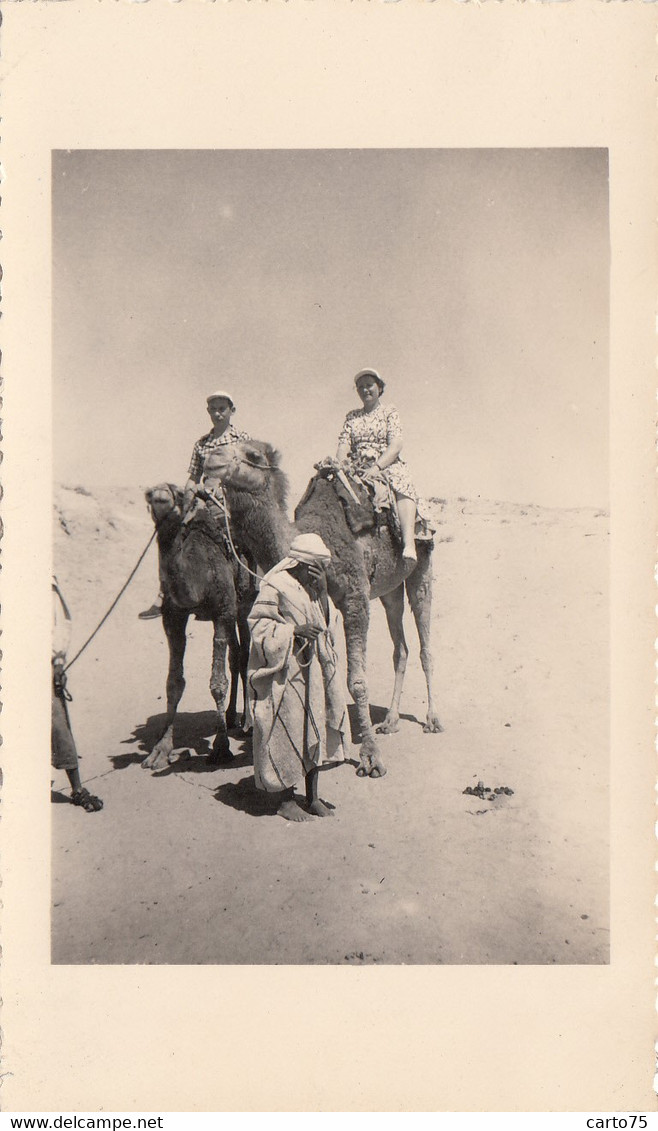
<point>485,793</point>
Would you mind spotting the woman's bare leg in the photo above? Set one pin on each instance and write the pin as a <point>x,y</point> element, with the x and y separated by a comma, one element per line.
<point>407,513</point>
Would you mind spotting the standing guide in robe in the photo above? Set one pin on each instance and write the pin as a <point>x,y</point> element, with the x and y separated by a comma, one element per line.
<point>295,690</point>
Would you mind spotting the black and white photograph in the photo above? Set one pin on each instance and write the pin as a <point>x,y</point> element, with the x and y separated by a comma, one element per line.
<point>363,397</point>
<point>328,598</point>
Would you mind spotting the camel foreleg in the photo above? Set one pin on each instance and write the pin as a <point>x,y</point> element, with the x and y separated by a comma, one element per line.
<point>356,634</point>
<point>234,668</point>
<point>245,640</point>
<point>393,603</point>
<point>221,750</point>
<point>419,592</point>
<point>174,622</point>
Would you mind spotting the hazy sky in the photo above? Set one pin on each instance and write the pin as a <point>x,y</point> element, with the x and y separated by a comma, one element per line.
<point>476,281</point>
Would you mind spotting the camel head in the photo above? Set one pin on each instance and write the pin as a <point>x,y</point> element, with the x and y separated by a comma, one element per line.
<point>249,465</point>
<point>163,499</point>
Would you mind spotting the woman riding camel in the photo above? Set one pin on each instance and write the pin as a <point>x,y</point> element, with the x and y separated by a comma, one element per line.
<point>371,442</point>
<point>220,410</point>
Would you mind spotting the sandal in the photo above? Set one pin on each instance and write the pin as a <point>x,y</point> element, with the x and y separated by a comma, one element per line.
<point>87,800</point>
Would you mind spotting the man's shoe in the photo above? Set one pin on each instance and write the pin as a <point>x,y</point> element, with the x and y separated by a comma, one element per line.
<point>152,613</point>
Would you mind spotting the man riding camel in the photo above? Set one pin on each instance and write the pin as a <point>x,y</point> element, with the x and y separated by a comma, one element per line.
<point>221,408</point>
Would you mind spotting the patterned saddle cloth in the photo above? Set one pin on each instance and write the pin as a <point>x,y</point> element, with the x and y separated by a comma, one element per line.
<point>372,505</point>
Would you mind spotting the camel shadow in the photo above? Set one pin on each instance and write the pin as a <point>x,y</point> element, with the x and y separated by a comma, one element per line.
<point>193,734</point>
<point>377,715</point>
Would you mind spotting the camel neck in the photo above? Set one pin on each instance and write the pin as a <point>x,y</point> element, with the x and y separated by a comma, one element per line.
<point>260,527</point>
<point>272,539</point>
<point>168,528</point>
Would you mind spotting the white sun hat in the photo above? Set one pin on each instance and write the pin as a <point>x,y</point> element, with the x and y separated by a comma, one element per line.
<point>368,373</point>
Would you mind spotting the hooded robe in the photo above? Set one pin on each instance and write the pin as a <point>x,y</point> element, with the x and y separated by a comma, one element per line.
<point>295,691</point>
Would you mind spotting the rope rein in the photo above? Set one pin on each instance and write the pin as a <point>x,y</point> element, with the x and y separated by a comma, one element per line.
<point>221,504</point>
<point>115,601</point>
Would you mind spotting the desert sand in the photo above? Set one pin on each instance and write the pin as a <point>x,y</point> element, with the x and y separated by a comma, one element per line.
<point>190,865</point>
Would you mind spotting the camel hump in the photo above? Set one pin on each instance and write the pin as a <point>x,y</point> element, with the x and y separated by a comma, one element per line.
<point>357,506</point>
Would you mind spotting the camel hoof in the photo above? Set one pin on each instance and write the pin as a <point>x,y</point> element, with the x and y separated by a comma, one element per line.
<point>433,726</point>
<point>388,726</point>
<point>362,772</point>
<point>157,759</point>
<point>378,771</point>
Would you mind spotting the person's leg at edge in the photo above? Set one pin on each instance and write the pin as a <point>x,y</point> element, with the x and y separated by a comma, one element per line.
<point>64,756</point>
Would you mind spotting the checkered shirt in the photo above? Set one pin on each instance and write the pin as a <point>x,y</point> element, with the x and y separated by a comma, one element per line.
<point>210,443</point>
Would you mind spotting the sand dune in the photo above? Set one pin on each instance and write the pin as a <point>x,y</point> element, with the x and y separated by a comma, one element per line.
<point>190,867</point>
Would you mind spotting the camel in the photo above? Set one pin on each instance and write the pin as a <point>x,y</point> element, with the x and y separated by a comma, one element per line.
<point>363,567</point>
<point>198,579</point>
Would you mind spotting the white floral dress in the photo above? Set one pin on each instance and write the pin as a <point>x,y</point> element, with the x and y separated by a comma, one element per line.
<point>368,435</point>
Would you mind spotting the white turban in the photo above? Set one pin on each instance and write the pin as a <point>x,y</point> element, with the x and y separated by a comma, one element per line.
<point>309,548</point>
<point>304,548</point>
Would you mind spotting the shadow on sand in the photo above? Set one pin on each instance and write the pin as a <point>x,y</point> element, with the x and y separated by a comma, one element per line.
<point>194,732</point>
<point>59,798</point>
<point>244,796</point>
<point>377,715</point>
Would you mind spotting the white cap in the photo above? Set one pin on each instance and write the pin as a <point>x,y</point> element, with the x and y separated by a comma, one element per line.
<point>220,393</point>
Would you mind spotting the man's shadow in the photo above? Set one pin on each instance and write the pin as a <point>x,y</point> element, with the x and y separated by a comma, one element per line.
<point>193,736</point>
<point>244,796</point>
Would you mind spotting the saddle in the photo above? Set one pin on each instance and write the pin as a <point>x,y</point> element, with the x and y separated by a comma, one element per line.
<point>357,503</point>
<point>368,507</point>
<point>363,510</point>
<point>207,518</point>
